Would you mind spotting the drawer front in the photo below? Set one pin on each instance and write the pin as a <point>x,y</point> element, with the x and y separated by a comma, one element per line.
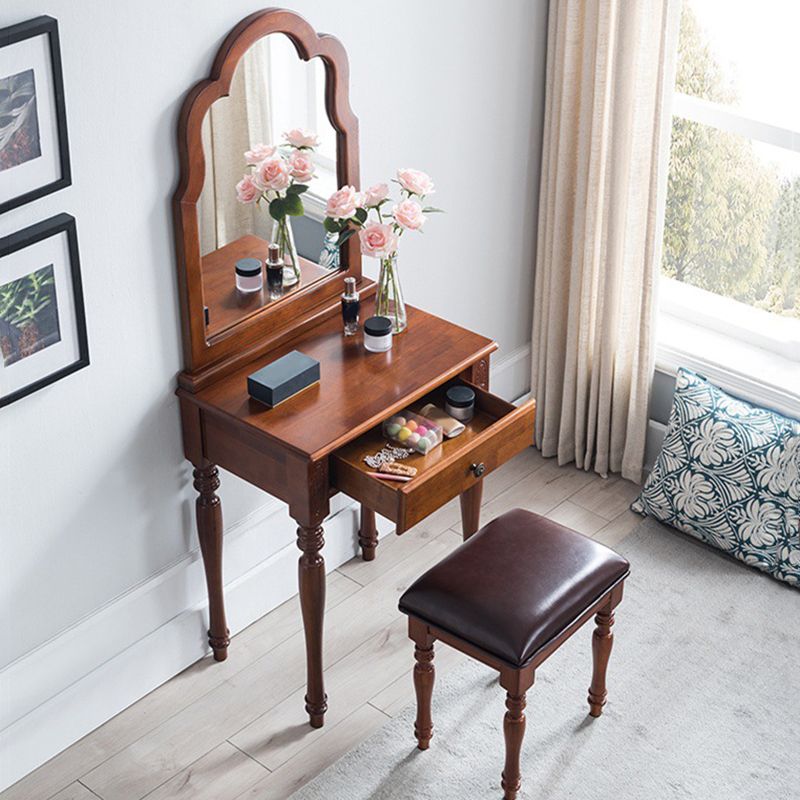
<point>499,431</point>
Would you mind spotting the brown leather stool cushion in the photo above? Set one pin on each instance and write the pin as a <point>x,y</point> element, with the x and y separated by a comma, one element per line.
<point>515,585</point>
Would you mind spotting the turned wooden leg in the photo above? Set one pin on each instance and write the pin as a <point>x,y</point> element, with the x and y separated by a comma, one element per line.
<point>471,509</point>
<point>367,534</point>
<point>602,641</point>
<point>424,675</point>
<point>514,731</point>
<point>209,531</point>
<point>312,603</point>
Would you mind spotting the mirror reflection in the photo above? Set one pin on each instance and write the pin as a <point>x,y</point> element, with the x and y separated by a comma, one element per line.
<point>270,155</point>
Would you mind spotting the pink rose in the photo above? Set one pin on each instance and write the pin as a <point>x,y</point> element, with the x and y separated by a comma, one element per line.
<point>298,137</point>
<point>378,241</point>
<point>408,214</point>
<point>343,203</point>
<point>301,166</point>
<point>375,194</point>
<point>414,181</point>
<point>272,173</point>
<point>247,191</point>
<point>259,153</point>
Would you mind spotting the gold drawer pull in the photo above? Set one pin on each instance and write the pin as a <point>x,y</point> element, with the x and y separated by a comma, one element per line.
<point>478,469</point>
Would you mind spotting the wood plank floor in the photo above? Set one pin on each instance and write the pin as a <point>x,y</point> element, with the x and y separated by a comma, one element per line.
<point>237,730</point>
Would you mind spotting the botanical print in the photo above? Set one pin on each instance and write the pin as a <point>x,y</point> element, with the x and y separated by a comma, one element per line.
<point>729,474</point>
<point>19,122</point>
<point>28,315</point>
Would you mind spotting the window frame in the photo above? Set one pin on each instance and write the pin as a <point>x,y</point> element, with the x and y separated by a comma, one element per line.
<point>702,318</point>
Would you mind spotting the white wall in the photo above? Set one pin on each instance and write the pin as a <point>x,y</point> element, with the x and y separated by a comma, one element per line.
<point>96,505</point>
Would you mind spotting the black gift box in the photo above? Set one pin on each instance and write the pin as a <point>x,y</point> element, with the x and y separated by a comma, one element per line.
<point>282,378</point>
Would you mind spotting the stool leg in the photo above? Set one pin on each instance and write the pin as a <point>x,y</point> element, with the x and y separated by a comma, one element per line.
<point>424,674</point>
<point>602,641</point>
<point>514,730</point>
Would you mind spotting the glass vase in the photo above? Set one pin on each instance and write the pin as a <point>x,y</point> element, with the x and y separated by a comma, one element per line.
<point>390,301</point>
<point>283,236</point>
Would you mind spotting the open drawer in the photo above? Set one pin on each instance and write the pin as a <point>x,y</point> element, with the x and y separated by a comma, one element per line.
<point>496,433</point>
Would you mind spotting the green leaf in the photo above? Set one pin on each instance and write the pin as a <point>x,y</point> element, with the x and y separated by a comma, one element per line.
<point>432,210</point>
<point>297,188</point>
<point>293,205</point>
<point>277,209</point>
<point>361,215</point>
<point>343,237</point>
<point>331,225</point>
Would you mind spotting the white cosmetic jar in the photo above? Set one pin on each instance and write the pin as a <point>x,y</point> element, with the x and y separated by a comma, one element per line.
<point>460,403</point>
<point>378,334</point>
<point>249,275</point>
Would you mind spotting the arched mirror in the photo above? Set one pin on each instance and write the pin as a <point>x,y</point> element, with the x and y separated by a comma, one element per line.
<point>264,142</point>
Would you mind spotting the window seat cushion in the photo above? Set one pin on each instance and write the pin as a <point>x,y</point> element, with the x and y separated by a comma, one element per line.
<point>729,475</point>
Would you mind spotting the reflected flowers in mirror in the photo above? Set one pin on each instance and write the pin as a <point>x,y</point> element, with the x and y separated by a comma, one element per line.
<point>277,176</point>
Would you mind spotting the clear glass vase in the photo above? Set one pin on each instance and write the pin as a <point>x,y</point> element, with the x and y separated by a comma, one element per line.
<point>389,302</point>
<point>283,236</point>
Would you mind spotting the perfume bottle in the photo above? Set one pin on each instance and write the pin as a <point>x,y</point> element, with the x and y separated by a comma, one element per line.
<point>274,272</point>
<point>351,305</point>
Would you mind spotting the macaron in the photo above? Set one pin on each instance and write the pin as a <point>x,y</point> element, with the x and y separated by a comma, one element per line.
<point>403,434</point>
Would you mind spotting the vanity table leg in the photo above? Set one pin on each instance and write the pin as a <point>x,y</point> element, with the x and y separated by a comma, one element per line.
<point>209,531</point>
<point>471,509</point>
<point>312,603</point>
<point>367,534</point>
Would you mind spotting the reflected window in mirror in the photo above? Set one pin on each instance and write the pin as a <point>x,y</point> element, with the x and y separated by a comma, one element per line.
<point>273,91</point>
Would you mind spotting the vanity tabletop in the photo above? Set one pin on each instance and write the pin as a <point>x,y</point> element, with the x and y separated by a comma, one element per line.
<point>357,389</point>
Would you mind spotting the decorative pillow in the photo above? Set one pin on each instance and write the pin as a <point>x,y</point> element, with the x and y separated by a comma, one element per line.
<point>729,474</point>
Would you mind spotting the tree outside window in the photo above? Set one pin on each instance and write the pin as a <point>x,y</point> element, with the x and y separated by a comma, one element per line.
<point>732,223</point>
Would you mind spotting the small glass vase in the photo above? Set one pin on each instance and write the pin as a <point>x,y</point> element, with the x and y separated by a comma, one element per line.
<point>390,301</point>
<point>283,236</point>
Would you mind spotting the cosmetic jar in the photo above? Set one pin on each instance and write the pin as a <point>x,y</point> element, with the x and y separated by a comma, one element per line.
<point>460,403</point>
<point>249,277</point>
<point>378,334</point>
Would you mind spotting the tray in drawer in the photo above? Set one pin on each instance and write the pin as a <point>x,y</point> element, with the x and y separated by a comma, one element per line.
<point>496,433</point>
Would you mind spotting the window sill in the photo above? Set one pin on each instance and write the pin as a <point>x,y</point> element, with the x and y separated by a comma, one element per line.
<point>760,376</point>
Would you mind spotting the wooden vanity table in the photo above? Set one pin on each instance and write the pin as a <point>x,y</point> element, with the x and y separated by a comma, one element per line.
<point>311,446</point>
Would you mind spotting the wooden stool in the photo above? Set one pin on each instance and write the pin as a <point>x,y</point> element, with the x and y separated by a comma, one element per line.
<point>509,597</point>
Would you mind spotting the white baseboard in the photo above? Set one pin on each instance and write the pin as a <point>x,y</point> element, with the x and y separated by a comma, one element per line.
<point>655,438</point>
<point>67,687</point>
<point>61,691</point>
<point>510,374</point>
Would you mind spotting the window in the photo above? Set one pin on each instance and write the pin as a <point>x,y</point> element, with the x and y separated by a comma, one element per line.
<point>731,255</point>
<point>297,100</point>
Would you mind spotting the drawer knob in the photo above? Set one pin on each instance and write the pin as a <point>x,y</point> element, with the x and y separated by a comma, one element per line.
<point>478,469</point>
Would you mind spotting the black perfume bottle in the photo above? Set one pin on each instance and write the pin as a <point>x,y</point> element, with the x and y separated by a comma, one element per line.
<point>351,305</point>
<point>274,272</point>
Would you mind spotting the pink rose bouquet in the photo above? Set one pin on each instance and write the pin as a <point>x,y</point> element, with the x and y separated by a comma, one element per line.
<point>278,175</point>
<point>348,213</point>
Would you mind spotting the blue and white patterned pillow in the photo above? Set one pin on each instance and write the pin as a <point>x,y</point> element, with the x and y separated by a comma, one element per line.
<point>729,474</point>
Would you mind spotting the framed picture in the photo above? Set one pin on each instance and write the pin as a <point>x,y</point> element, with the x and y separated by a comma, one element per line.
<point>42,320</point>
<point>34,152</point>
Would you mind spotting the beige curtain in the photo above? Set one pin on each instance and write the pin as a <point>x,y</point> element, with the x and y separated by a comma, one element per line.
<point>233,125</point>
<point>610,66</point>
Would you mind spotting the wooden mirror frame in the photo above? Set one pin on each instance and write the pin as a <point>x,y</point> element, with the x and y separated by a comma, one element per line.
<point>258,331</point>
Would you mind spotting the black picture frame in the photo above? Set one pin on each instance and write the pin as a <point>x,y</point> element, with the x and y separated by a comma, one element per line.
<point>13,34</point>
<point>61,223</point>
